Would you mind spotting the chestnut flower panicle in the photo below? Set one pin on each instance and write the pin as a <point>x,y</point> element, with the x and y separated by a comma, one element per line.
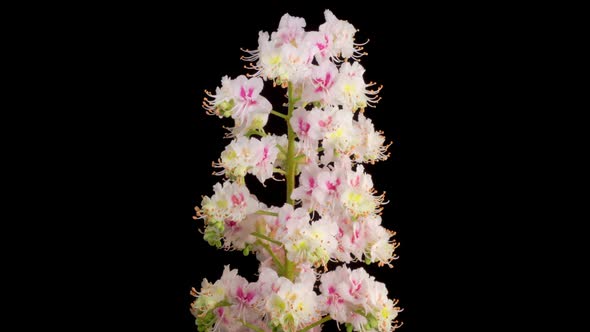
<point>332,210</point>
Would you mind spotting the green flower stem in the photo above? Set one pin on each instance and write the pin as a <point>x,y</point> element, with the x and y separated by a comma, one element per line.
<point>319,322</point>
<point>279,114</point>
<point>289,267</point>
<point>262,236</point>
<point>252,327</point>
<point>291,147</point>
<point>278,170</point>
<point>272,254</point>
<point>283,151</point>
<point>223,303</point>
<point>300,158</point>
<point>255,132</point>
<point>267,213</point>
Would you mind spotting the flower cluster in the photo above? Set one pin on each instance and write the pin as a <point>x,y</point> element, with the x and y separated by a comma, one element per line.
<point>332,211</point>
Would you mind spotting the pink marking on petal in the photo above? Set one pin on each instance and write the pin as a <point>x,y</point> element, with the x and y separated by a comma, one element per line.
<point>326,123</point>
<point>303,126</point>
<point>237,200</point>
<point>244,297</point>
<point>333,186</point>
<point>355,235</point>
<point>355,287</point>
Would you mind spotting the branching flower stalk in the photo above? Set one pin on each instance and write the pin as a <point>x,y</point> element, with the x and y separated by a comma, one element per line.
<point>332,212</point>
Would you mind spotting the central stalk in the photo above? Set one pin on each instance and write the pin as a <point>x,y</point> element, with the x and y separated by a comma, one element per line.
<point>291,147</point>
<point>289,267</point>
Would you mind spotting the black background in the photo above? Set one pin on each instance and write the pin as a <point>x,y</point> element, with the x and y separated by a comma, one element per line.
<point>142,146</point>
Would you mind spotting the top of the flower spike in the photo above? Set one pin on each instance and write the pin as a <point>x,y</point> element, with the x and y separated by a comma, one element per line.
<point>288,54</point>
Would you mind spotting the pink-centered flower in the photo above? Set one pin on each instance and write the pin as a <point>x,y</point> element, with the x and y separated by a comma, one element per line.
<point>246,93</point>
<point>320,86</point>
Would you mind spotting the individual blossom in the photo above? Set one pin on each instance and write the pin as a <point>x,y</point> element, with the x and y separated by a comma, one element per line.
<point>358,195</point>
<point>289,222</point>
<point>319,88</point>
<point>282,56</point>
<point>281,143</point>
<point>227,304</point>
<point>266,155</point>
<point>371,147</point>
<point>238,234</point>
<point>341,136</point>
<point>293,306</point>
<point>326,195</point>
<point>290,31</point>
<point>240,98</point>
<point>249,155</point>
<point>222,101</point>
<point>308,182</point>
<point>341,34</point>
<point>352,239</point>
<point>365,240</point>
<point>320,44</point>
<point>306,125</point>
<point>321,239</point>
<point>355,298</point>
<point>351,90</point>
<point>230,202</point>
<point>380,248</point>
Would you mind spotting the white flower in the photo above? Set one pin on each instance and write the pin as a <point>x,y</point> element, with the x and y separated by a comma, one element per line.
<point>291,30</point>
<point>237,158</point>
<point>237,234</point>
<point>342,36</point>
<point>354,297</point>
<point>351,90</point>
<point>221,103</point>
<point>319,86</point>
<point>290,223</point>
<point>358,195</point>
<point>340,137</point>
<point>230,200</point>
<point>320,44</point>
<point>249,155</point>
<point>266,154</point>
<point>371,147</point>
<point>240,98</point>
<point>322,238</point>
<point>293,306</point>
<point>229,205</point>
<point>246,93</point>
<point>283,56</point>
<point>380,247</point>
<point>308,182</point>
<point>352,239</point>
<point>224,305</point>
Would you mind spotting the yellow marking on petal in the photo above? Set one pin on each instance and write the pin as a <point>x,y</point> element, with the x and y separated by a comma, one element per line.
<point>275,60</point>
<point>222,204</point>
